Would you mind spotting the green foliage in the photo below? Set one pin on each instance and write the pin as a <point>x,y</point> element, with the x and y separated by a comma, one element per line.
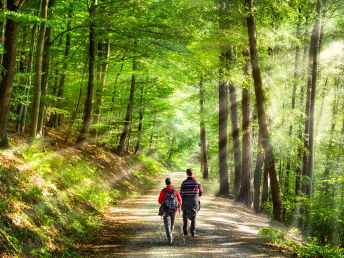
<point>311,248</point>
<point>60,201</point>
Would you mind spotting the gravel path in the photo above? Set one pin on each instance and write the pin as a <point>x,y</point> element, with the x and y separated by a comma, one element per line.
<point>224,228</point>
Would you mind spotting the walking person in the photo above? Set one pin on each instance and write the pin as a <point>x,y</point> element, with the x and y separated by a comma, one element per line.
<point>171,202</point>
<point>190,190</point>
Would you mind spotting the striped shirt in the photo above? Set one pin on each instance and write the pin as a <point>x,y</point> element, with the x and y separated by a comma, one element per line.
<point>191,187</point>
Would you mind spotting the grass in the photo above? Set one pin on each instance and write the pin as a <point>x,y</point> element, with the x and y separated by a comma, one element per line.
<point>51,200</point>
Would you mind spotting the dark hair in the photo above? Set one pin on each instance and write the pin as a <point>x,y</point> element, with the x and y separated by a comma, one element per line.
<point>189,172</point>
<point>168,181</point>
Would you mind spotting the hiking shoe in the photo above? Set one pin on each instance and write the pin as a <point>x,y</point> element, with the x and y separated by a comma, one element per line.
<point>193,234</point>
<point>185,233</point>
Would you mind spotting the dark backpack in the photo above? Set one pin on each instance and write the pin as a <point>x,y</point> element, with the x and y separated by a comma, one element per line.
<point>171,202</point>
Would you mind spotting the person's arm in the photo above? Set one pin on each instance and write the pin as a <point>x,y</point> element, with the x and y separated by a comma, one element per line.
<point>200,189</point>
<point>181,190</point>
<point>162,197</point>
<point>179,198</point>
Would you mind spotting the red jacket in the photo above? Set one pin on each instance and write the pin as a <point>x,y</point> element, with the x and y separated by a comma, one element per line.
<point>163,195</point>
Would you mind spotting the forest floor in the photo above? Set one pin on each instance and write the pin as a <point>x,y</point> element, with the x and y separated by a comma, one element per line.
<point>224,228</point>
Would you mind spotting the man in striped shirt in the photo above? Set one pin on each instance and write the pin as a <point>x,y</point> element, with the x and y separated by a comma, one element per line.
<point>190,191</point>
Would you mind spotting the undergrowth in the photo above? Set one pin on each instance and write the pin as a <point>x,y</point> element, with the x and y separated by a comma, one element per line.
<point>310,248</point>
<point>50,202</point>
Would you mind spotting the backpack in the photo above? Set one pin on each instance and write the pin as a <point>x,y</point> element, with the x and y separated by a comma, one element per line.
<point>171,202</point>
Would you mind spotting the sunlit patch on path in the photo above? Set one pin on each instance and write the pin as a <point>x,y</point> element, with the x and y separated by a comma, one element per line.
<point>224,229</point>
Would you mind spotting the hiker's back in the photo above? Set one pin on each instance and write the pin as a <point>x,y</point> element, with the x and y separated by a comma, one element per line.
<point>190,191</point>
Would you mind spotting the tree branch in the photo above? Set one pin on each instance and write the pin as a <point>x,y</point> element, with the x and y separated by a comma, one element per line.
<point>63,32</point>
<point>20,3</point>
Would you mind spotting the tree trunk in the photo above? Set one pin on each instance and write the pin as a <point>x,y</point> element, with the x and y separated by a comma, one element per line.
<point>296,76</point>
<point>3,26</point>
<point>129,136</point>
<point>245,194</point>
<point>204,158</point>
<point>100,89</point>
<point>115,84</point>
<point>130,106</point>
<point>139,131</point>
<point>44,83</point>
<point>7,74</point>
<point>22,115</point>
<point>223,108</point>
<point>258,175</point>
<point>260,100</point>
<point>311,94</point>
<point>90,87</point>
<point>38,71</point>
<point>236,139</point>
<point>58,117</point>
<point>265,192</point>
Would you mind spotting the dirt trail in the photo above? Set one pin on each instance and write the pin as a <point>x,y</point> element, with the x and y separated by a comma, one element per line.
<point>224,228</point>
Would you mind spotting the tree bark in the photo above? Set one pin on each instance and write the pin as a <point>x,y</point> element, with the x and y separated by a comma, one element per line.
<point>260,100</point>
<point>38,72</point>
<point>7,74</point>
<point>296,76</point>
<point>223,115</point>
<point>203,137</point>
<point>22,115</point>
<point>58,117</point>
<point>245,194</point>
<point>265,193</point>
<point>258,175</point>
<point>139,131</point>
<point>100,89</point>
<point>3,26</point>
<point>115,84</point>
<point>311,94</point>
<point>91,71</point>
<point>236,139</point>
<point>44,83</point>
<point>130,106</point>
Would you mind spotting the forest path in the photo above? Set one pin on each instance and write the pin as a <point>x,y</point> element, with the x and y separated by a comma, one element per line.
<point>224,228</point>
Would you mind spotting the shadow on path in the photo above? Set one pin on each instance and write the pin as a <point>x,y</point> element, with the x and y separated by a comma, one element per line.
<point>224,229</point>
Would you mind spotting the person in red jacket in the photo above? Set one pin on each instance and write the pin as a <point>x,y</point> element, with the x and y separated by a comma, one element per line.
<point>170,206</point>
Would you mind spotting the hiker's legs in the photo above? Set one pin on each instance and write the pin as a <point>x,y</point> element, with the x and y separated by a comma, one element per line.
<point>193,225</point>
<point>173,215</point>
<point>185,222</point>
<point>167,223</point>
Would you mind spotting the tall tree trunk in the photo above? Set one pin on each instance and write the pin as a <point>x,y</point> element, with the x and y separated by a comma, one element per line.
<point>3,26</point>
<point>265,192</point>
<point>7,74</point>
<point>296,76</point>
<point>298,170</point>
<point>258,175</point>
<point>22,115</point>
<point>129,136</point>
<point>260,100</point>
<point>44,83</point>
<point>100,89</point>
<point>115,84</point>
<point>139,131</point>
<point>58,117</point>
<point>223,111</point>
<point>130,106</point>
<point>311,94</point>
<point>38,71</point>
<point>90,87</point>
<point>204,158</point>
<point>236,138</point>
<point>245,194</point>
